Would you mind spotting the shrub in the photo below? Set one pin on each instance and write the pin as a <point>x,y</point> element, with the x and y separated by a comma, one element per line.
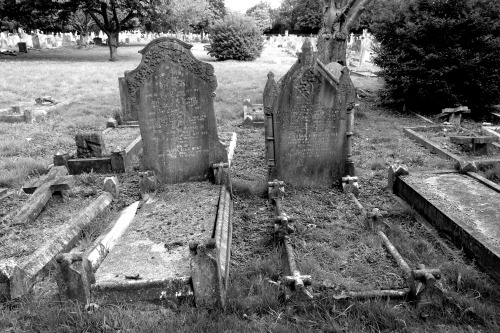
<point>440,53</point>
<point>235,37</point>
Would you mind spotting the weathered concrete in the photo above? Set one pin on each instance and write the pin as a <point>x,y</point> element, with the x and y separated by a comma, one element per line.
<point>461,208</point>
<point>153,260</point>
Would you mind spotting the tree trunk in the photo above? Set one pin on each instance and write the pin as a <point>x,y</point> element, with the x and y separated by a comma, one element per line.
<point>202,35</point>
<point>339,17</point>
<point>113,45</point>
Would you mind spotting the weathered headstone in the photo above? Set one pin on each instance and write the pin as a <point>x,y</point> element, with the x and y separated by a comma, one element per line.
<point>36,42</point>
<point>309,122</point>
<point>127,113</point>
<point>173,92</point>
<point>22,47</point>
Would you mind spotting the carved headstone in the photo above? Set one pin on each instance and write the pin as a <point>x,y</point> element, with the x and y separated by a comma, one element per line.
<point>172,93</point>
<point>311,116</point>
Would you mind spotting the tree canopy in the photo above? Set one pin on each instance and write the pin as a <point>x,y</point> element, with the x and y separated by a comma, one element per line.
<point>261,13</point>
<point>440,53</point>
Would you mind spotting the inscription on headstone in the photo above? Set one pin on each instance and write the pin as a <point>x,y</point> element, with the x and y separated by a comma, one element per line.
<point>172,93</point>
<point>310,114</point>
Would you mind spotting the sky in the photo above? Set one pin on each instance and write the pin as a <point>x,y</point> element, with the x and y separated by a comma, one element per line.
<point>243,5</point>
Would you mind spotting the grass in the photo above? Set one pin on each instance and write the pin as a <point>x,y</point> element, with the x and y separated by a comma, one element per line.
<point>336,250</point>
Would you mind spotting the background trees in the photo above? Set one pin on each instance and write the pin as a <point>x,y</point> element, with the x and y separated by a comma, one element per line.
<point>440,53</point>
<point>261,13</point>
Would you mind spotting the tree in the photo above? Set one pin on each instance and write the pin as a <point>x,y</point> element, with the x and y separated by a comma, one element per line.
<point>440,53</point>
<point>261,14</point>
<point>184,14</point>
<point>309,15</point>
<point>113,16</point>
<point>339,17</point>
<point>216,11</point>
<point>303,15</point>
<point>235,37</point>
<point>35,14</point>
<point>83,23</point>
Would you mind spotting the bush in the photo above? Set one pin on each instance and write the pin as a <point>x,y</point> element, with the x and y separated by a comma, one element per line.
<point>439,53</point>
<point>235,37</point>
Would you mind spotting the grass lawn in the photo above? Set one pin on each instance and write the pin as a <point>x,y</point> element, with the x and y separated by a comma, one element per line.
<point>338,252</point>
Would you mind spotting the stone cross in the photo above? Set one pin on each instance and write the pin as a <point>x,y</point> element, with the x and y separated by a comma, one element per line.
<point>41,191</point>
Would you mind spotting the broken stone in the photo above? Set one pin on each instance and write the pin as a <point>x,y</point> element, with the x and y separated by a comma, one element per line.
<point>111,185</point>
<point>112,122</point>
<point>467,166</point>
<point>89,145</point>
<point>393,172</point>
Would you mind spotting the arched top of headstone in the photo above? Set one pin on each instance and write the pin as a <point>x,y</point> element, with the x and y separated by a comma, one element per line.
<point>173,50</point>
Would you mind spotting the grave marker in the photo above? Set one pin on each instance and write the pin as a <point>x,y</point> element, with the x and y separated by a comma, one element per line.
<point>172,93</point>
<point>41,191</point>
<point>309,122</point>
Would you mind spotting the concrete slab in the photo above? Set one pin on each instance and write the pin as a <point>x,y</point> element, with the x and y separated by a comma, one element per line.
<point>153,256</point>
<point>462,208</point>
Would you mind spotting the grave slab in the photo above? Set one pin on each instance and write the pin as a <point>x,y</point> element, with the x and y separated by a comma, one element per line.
<point>462,208</point>
<point>154,255</point>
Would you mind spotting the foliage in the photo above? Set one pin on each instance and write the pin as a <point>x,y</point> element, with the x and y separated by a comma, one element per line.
<point>303,15</point>
<point>440,53</point>
<point>185,13</point>
<point>35,14</point>
<point>261,14</point>
<point>235,37</point>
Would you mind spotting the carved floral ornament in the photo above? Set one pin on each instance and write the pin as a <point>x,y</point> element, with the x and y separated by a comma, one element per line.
<point>173,50</point>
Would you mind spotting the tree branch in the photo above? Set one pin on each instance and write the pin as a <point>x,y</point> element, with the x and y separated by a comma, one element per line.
<point>96,20</point>
<point>353,14</point>
<point>104,13</point>
<point>115,17</point>
<point>128,17</point>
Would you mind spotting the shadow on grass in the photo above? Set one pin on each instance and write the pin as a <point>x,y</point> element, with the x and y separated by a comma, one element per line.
<point>73,54</point>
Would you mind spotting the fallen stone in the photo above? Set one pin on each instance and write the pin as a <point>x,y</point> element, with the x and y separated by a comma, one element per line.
<point>111,186</point>
<point>112,122</point>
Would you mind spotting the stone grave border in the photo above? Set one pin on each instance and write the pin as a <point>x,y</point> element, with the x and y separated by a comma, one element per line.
<point>486,257</point>
<point>298,285</point>
<point>17,278</point>
<point>76,270</point>
<point>119,161</point>
<point>29,114</point>
<point>492,130</point>
<point>411,132</point>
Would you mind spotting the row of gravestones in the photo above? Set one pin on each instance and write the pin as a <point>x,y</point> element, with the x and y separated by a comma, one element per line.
<point>36,41</point>
<point>309,116</point>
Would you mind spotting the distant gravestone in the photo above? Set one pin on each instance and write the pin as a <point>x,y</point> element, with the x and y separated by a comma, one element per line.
<point>309,122</point>
<point>127,113</point>
<point>36,42</point>
<point>173,92</point>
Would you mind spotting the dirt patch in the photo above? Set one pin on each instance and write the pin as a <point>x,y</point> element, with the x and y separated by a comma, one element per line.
<point>119,138</point>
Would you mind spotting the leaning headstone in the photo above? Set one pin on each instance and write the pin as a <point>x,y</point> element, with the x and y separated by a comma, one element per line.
<point>309,122</point>
<point>173,92</point>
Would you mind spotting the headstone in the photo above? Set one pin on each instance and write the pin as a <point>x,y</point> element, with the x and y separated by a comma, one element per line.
<point>98,41</point>
<point>173,94</point>
<point>22,47</point>
<point>127,112</point>
<point>36,42</point>
<point>309,123</point>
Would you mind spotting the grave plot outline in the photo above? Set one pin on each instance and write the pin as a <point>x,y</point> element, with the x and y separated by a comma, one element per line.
<point>172,93</point>
<point>309,122</point>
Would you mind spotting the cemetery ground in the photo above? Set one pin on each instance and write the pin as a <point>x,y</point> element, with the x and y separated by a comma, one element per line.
<point>331,242</point>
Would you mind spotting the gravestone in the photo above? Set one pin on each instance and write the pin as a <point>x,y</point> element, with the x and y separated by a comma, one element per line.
<point>89,145</point>
<point>36,42</point>
<point>127,113</point>
<point>172,93</point>
<point>22,47</point>
<point>309,122</point>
